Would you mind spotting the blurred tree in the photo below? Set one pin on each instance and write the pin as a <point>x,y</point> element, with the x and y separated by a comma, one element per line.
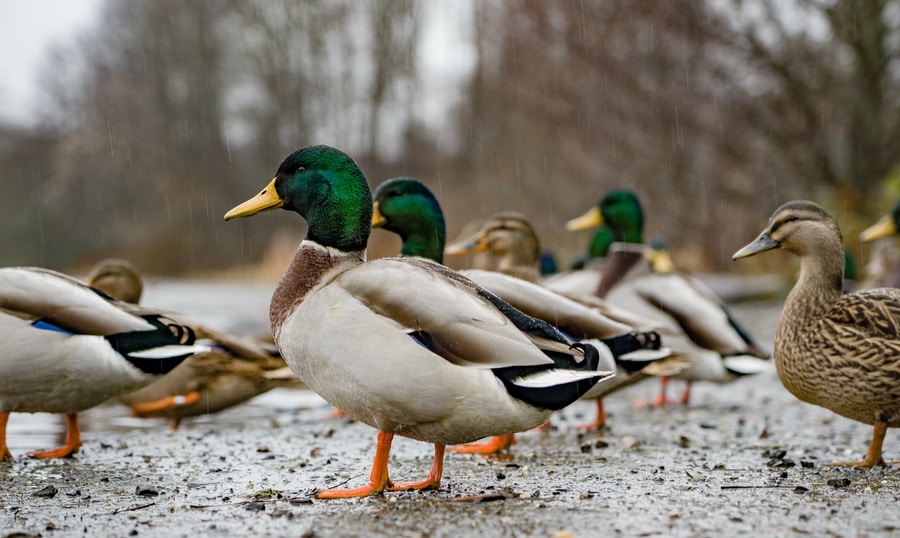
<point>713,112</point>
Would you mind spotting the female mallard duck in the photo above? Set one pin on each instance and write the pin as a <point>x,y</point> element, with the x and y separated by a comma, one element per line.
<point>640,279</point>
<point>67,347</point>
<point>404,345</point>
<point>510,241</point>
<point>408,208</point>
<point>508,244</point>
<point>882,269</point>
<point>233,371</point>
<point>835,350</point>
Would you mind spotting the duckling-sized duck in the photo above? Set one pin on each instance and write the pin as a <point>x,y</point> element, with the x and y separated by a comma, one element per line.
<point>642,280</point>
<point>404,345</point>
<point>835,350</point>
<point>882,269</point>
<point>408,208</point>
<point>67,347</point>
<point>233,371</point>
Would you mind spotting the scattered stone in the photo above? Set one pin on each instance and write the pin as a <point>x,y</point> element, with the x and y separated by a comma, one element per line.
<point>47,492</point>
<point>255,507</point>
<point>146,491</point>
<point>838,482</point>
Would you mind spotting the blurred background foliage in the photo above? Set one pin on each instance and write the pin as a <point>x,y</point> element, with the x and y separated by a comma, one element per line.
<point>168,113</point>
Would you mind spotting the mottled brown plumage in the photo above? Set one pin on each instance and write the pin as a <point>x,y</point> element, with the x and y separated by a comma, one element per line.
<point>841,352</point>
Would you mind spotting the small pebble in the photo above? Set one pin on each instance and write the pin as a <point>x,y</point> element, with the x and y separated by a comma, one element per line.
<point>47,491</point>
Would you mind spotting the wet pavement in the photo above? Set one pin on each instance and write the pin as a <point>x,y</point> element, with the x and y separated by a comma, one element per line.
<point>741,459</point>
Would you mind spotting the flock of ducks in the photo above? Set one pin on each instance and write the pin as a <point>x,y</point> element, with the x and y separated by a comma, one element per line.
<point>412,348</point>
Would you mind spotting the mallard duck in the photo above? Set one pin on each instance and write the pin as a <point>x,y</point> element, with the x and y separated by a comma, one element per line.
<point>835,350</point>
<point>882,269</point>
<point>637,279</point>
<point>233,371</point>
<point>507,243</point>
<point>404,345</point>
<point>510,241</point>
<point>67,347</point>
<point>408,208</point>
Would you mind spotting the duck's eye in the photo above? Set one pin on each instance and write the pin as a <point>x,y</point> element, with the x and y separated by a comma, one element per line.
<point>300,170</point>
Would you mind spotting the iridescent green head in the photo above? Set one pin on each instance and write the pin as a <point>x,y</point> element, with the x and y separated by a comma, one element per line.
<point>327,188</point>
<point>408,208</point>
<point>622,212</point>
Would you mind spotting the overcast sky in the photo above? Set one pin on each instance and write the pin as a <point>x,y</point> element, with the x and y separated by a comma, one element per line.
<point>27,29</point>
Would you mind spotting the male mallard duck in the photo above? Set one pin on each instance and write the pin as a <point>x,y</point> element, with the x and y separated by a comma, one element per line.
<point>635,278</point>
<point>408,208</point>
<point>233,371</point>
<point>404,345</point>
<point>835,350</point>
<point>67,347</point>
<point>882,269</point>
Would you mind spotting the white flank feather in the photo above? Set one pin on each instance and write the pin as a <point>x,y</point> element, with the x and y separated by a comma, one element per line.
<point>552,378</point>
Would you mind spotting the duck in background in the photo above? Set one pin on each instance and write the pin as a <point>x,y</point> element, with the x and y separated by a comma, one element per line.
<point>882,269</point>
<point>639,279</point>
<point>408,208</point>
<point>585,272</point>
<point>232,371</point>
<point>405,345</point>
<point>507,244</point>
<point>835,350</point>
<point>66,347</point>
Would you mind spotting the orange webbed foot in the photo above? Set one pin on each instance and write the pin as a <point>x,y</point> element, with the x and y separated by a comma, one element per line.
<point>73,441</point>
<point>378,479</point>
<point>434,476</point>
<point>498,443</point>
<point>157,407</point>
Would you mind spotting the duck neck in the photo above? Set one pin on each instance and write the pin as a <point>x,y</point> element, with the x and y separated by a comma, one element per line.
<point>425,245</point>
<point>312,266</point>
<point>620,261</point>
<point>820,284</point>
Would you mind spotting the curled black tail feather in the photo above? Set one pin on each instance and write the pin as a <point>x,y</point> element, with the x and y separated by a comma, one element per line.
<point>167,332</point>
<point>558,396</point>
<point>634,341</point>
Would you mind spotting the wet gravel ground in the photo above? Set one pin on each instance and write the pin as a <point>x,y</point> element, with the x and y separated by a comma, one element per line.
<point>743,459</point>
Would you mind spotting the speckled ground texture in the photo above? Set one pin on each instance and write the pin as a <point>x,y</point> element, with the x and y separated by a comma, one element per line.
<point>741,459</point>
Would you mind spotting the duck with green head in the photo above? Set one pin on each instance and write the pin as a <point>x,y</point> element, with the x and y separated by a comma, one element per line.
<point>638,279</point>
<point>408,208</point>
<point>404,345</point>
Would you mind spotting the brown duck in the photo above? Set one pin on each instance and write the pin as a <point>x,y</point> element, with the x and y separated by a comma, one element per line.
<point>840,352</point>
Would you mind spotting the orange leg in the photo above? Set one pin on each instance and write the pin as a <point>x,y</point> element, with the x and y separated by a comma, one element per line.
<point>5,454</point>
<point>498,443</point>
<point>434,476</point>
<point>599,422</point>
<point>378,479</point>
<point>660,400</point>
<point>686,397</point>
<point>169,403</point>
<point>873,456</point>
<point>73,441</point>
